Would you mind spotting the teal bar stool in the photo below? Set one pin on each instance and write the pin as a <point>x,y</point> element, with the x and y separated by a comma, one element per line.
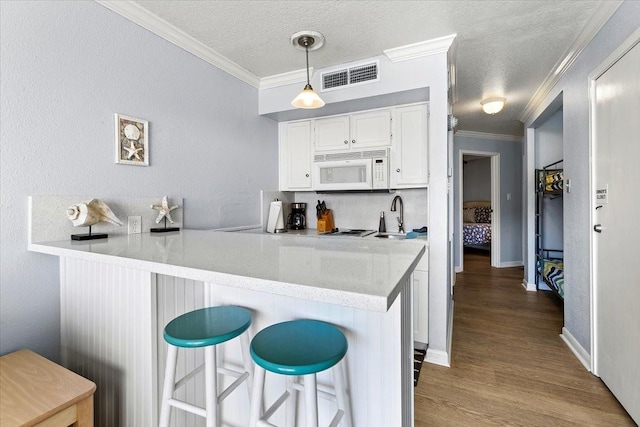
<point>206,328</point>
<point>300,348</point>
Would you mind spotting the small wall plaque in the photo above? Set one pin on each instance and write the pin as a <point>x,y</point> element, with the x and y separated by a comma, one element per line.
<point>132,140</point>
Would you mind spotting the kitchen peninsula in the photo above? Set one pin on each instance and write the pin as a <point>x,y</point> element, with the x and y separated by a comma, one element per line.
<point>118,293</point>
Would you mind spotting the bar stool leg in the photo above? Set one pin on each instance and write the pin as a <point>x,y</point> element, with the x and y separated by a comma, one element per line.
<point>169,384</point>
<point>211,386</point>
<point>311,400</point>
<point>292,402</point>
<point>246,359</point>
<point>256,397</point>
<point>342,394</point>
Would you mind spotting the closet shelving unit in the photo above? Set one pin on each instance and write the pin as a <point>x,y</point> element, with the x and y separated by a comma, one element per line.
<point>549,185</point>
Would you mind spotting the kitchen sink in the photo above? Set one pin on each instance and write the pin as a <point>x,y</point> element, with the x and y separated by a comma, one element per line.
<point>395,236</point>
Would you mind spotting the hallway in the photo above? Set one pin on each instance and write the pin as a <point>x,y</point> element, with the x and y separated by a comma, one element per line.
<point>509,365</point>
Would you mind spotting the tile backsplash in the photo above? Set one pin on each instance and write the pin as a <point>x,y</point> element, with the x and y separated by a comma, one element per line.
<point>362,210</point>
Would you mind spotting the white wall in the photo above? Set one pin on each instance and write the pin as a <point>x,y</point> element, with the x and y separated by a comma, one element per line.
<point>577,228</point>
<point>66,68</point>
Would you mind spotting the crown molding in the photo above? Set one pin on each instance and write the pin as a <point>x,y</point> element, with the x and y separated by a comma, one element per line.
<point>593,26</point>
<point>491,136</point>
<point>141,16</point>
<point>292,77</point>
<point>420,49</point>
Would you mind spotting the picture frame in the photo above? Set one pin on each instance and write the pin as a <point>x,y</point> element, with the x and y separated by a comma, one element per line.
<point>132,140</point>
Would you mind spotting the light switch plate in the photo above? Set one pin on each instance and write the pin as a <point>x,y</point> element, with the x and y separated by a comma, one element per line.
<point>134,224</point>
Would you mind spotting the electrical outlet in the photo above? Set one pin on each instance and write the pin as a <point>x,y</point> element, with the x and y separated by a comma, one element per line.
<point>134,224</point>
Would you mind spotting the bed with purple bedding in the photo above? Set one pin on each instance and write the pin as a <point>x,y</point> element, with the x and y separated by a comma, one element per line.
<point>476,224</point>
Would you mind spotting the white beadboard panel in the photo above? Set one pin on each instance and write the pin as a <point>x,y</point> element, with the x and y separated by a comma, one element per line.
<point>374,367</point>
<point>176,296</point>
<point>112,324</point>
<point>109,336</point>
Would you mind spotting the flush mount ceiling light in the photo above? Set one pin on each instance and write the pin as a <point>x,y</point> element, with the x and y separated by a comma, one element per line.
<point>306,40</point>
<point>492,105</point>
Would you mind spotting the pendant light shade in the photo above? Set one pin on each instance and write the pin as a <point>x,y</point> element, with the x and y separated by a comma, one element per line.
<point>308,98</point>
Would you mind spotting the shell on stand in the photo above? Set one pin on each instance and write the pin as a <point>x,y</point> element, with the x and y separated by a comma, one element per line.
<point>90,213</point>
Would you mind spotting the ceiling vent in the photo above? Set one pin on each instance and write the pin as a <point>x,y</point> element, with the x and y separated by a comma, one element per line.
<point>355,75</point>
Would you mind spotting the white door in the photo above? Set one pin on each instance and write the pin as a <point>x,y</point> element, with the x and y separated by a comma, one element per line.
<point>616,131</point>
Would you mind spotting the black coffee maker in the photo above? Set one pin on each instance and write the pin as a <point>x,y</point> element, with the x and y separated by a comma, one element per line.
<point>296,219</point>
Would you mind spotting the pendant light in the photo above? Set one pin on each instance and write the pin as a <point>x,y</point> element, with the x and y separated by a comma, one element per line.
<point>308,98</point>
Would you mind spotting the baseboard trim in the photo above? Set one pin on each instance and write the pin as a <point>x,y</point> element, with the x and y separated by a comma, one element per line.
<point>511,264</point>
<point>529,287</point>
<point>439,357</point>
<point>575,347</point>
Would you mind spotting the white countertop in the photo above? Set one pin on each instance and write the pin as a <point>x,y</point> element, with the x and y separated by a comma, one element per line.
<point>361,273</point>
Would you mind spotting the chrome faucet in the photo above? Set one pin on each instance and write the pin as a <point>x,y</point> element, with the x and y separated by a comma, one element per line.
<point>401,217</point>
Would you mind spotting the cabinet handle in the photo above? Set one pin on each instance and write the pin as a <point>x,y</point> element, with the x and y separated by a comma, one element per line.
<point>398,170</point>
<point>307,175</point>
<point>353,141</point>
<point>346,141</point>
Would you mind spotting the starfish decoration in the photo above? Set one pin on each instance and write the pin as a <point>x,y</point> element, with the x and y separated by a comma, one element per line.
<point>132,151</point>
<point>164,210</point>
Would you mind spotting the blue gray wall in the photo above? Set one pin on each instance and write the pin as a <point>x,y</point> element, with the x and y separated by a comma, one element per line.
<point>549,150</point>
<point>66,68</point>
<point>575,92</point>
<point>476,179</point>
<point>510,183</point>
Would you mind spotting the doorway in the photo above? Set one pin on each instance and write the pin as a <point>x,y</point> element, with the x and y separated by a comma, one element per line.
<point>493,203</point>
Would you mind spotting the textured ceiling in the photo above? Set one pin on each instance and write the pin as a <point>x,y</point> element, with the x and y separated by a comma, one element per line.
<point>504,48</point>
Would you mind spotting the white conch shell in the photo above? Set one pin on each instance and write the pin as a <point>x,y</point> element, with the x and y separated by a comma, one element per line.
<point>92,212</point>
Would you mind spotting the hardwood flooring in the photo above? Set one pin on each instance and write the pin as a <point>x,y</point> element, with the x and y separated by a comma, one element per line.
<point>509,365</point>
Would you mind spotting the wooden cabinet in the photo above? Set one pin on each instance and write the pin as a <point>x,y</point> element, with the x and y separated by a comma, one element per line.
<point>295,156</point>
<point>353,132</point>
<point>409,154</point>
<point>420,285</point>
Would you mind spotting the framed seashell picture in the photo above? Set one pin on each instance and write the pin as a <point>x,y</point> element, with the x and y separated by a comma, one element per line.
<point>132,140</point>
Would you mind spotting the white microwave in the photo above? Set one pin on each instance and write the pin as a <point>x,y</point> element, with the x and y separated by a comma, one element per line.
<point>357,172</point>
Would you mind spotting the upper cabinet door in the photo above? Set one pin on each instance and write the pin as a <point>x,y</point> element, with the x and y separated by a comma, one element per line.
<point>370,129</point>
<point>332,134</point>
<point>295,156</point>
<point>409,154</point>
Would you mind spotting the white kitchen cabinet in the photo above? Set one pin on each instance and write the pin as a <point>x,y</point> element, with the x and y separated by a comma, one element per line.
<point>295,153</point>
<point>420,284</point>
<point>409,156</point>
<point>353,131</point>
<point>332,134</point>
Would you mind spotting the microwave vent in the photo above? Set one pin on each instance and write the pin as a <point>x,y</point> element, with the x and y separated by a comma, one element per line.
<point>358,74</point>
<point>350,155</point>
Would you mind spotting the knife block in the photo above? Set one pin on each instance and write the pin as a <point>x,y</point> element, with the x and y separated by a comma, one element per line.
<point>325,222</point>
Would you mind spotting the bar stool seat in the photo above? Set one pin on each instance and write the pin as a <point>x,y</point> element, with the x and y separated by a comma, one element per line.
<point>206,328</point>
<point>300,348</point>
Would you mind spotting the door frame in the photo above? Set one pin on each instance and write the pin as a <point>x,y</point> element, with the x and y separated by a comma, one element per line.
<point>495,204</point>
<point>615,56</point>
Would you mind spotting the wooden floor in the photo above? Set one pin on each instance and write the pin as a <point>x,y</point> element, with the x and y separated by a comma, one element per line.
<point>509,366</point>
